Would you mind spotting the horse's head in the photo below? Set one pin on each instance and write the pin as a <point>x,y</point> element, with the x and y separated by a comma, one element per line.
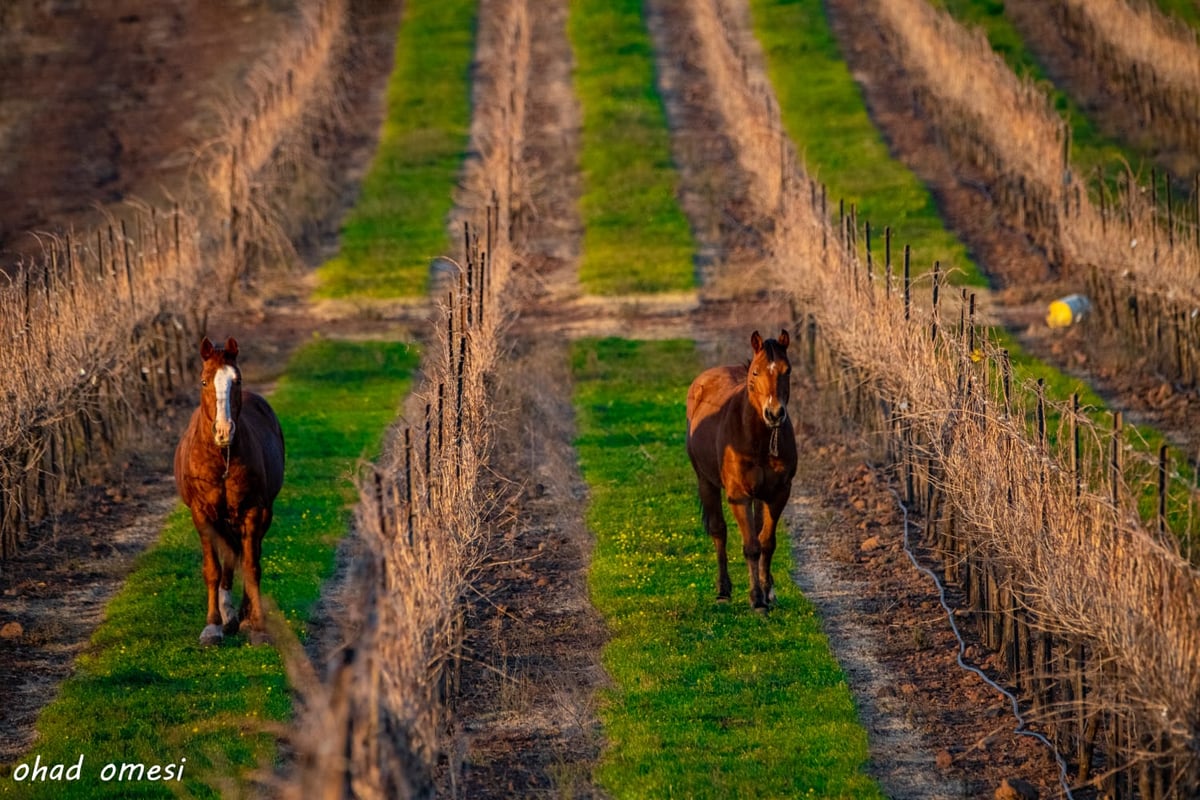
<point>221,389</point>
<point>768,380</point>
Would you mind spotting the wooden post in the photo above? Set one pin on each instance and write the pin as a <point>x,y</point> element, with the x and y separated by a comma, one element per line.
<point>428,455</point>
<point>1075,445</point>
<point>1041,414</point>
<point>870,269</point>
<point>1115,460</point>
<point>887,261</point>
<point>1006,372</point>
<point>907,282</point>
<point>441,417</point>
<point>128,263</point>
<point>408,484</point>
<point>937,279</point>
<point>1162,490</point>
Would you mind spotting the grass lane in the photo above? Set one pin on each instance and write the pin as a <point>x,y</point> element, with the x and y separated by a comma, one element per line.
<point>636,238</point>
<point>824,114</point>
<point>710,700</point>
<point>398,224</point>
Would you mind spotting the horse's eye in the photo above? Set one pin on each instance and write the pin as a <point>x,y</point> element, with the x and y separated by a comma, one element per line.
<point>204,383</point>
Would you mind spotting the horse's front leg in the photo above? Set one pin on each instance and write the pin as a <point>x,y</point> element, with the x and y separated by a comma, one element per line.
<point>744,513</point>
<point>770,515</point>
<point>254,527</point>
<point>229,615</point>
<point>209,542</point>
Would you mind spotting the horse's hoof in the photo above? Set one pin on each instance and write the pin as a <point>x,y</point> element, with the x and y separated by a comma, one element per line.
<point>211,635</point>
<point>722,598</point>
<point>259,637</point>
<point>763,611</point>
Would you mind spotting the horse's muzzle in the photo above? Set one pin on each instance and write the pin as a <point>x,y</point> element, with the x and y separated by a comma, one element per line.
<point>774,418</point>
<point>223,433</point>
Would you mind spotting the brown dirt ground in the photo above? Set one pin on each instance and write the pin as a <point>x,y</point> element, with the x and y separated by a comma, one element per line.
<point>529,724</point>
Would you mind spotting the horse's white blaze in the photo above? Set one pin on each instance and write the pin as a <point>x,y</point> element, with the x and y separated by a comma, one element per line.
<point>223,385</point>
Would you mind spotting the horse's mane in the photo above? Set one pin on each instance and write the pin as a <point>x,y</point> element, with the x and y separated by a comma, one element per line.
<point>773,350</point>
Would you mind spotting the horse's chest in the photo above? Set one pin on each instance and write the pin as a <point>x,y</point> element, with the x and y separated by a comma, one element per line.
<point>752,477</point>
<point>227,497</point>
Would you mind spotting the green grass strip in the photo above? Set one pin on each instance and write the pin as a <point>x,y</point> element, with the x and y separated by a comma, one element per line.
<point>146,692</point>
<point>710,700</point>
<point>398,224</point>
<point>636,238</point>
<point>824,114</point>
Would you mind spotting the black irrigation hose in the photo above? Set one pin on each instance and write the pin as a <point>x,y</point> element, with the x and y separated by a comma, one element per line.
<point>1022,728</point>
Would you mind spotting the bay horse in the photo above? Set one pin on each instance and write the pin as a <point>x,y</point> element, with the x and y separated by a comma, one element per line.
<point>740,440</point>
<point>228,470</point>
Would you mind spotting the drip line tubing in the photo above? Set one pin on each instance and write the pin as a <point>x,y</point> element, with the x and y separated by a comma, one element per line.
<point>1022,728</point>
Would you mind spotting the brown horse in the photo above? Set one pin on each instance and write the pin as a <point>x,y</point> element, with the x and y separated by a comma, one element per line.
<point>229,469</point>
<point>740,439</point>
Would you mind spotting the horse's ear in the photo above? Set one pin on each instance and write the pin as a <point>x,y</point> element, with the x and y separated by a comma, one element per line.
<point>784,339</point>
<point>756,341</point>
<point>206,348</point>
<point>231,348</point>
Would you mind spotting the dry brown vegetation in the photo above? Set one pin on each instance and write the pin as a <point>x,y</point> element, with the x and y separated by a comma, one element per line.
<point>379,727</point>
<point>1093,613</point>
<point>99,331</point>
<point>1137,260</point>
<point>1139,68</point>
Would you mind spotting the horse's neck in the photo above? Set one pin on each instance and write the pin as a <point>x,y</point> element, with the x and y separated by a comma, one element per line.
<point>751,420</point>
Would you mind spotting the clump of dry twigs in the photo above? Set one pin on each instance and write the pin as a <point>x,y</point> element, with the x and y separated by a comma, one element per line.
<point>1136,258</point>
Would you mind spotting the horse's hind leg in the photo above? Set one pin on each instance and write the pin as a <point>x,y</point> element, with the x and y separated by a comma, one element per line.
<point>714,524</point>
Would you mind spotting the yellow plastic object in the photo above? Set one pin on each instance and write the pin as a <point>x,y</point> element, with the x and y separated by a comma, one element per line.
<point>1066,311</point>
